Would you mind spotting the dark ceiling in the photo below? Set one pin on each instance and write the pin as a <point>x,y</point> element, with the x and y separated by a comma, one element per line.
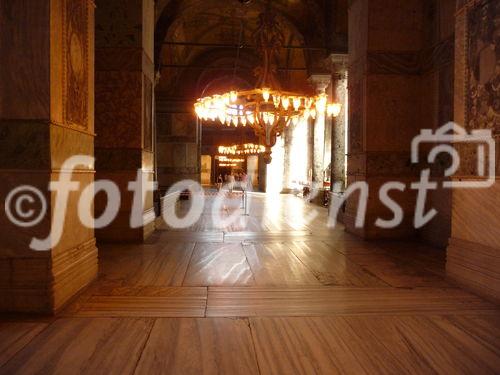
<point>196,41</point>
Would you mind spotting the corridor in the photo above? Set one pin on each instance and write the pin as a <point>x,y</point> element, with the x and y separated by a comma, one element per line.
<point>275,292</point>
<point>120,120</point>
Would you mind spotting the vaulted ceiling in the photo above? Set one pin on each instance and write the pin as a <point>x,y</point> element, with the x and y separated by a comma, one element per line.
<point>197,54</point>
<point>196,41</point>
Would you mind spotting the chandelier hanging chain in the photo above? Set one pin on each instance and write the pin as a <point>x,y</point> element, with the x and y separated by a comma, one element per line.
<point>238,48</point>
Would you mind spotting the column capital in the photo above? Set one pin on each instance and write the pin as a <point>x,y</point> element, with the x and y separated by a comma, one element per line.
<point>320,81</point>
<point>339,59</point>
<point>338,63</point>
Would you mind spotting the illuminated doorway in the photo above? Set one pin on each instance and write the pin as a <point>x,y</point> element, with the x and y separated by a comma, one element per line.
<point>206,170</point>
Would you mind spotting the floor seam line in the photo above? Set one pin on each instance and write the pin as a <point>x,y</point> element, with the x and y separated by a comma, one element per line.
<point>249,264</point>
<point>206,304</point>
<point>188,264</point>
<point>254,345</point>
<point>144,346</point>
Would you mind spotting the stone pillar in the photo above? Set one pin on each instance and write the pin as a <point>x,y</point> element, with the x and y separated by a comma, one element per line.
<point>124,108</point>
<point>253,170</point>
<point>262,174</point>
<point>337,134</point>
<point>385,41</point>
<point>46,116</point>
<point>289,137</point>
<point>320,82</point>
<point>178,143</point>
<point>310,149</point>
<point>473,254</point>
<point>287,167</point>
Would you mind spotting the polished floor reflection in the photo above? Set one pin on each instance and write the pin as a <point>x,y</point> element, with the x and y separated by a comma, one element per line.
<point>275,292</point>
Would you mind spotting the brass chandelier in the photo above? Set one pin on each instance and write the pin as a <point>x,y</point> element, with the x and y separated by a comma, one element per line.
<point>244,149</point>
<point>267,108</point>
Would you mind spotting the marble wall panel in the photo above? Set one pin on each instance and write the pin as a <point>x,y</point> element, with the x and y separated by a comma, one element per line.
<point>76,47</point>
<point>24,38</point>
<point>393,111</point>
<point>118,113</point>
<point>474,244</point>
<point>66,142</point>
<point>178,147</point>
<point>24,144</point>
<point>119,26</point>
<point>403,20</point>
<point>147,119</point>
<point>358,26</point>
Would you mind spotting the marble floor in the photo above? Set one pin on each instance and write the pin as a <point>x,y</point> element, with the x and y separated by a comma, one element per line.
<point>274,292</point>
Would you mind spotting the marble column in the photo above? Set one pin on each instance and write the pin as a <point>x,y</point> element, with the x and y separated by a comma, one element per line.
<point>337,132</point>
<point>292,151</point>
<point>320,82</point>
<point>46,116</point>
<point>287,167</point>
<point>262,174</point>
<point>124,109</point>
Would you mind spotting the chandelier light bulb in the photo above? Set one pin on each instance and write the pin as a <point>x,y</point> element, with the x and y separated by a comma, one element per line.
<point>243,120</point>
<point>285,102</point>
<point>233,96</point>
<point>276,100</point>
<point>296,103</point>
<point>265,118</point>
<point>208,103</point>
<point>333,109</point>
<point>313,114</point>
<point>266,94</point>
<point>321,103</point>
<point>217,101</point>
